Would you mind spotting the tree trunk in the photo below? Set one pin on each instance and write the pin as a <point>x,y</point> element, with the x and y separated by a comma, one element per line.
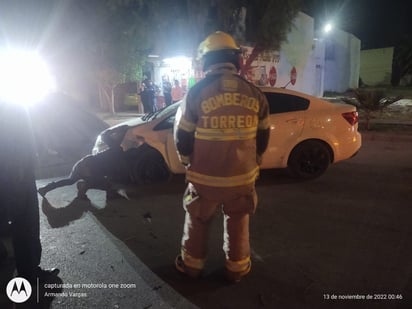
<point>253,55</point>
<point>368,120</point>
<point>105,97</point>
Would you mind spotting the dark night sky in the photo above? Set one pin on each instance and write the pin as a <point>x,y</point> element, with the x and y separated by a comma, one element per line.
<point>377,23</point>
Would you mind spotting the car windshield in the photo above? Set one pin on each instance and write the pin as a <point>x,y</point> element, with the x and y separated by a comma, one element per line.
<point>161,112</point>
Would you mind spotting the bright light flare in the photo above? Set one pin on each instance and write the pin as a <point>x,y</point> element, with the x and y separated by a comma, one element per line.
<point>181,62</point>
<point>328,28</point>
<point>24,77</point>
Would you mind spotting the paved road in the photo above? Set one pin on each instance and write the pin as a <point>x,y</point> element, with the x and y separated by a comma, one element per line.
<point>96,269</point>
<point>346,234</point>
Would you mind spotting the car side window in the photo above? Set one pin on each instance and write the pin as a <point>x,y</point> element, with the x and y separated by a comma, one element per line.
<point>284,103</point>
<point>165,124</point>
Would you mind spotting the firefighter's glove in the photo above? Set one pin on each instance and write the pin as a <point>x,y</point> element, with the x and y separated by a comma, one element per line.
<point>185,160</point>
<point>189,196</point>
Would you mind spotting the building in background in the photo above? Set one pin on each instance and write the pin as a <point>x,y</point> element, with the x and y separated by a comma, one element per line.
<point>306,62</point>
<point>298,65</point>
<point>376,66</point>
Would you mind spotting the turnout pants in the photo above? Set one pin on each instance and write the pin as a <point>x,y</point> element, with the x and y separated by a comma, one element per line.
<point>25,232</point>
<point>201,203</point>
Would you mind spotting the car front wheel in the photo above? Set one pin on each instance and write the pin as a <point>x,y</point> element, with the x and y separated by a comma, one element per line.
<point>309,160</point>
<point>149,168</point>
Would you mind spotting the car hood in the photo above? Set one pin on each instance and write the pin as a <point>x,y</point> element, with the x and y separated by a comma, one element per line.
<point>118,131</point>
<point>133,122</point>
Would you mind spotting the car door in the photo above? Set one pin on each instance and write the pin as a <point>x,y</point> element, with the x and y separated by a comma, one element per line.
<point>287,118</point>
<point>165,128</point>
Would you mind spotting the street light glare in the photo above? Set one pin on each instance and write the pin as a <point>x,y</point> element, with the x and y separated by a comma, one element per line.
<point>24,77</point>
<point>328,28</point>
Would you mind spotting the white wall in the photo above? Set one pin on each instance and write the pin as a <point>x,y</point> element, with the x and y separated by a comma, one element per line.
<point>301,51</point>
<point>342,61</point>
<point>314,74</point>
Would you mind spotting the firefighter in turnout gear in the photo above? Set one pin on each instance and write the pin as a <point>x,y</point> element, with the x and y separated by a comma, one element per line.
<point>19,208</point>
<point>221,132</point>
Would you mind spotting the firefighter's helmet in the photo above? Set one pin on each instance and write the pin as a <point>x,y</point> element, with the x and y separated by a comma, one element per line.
<point>218,40</point>
<point>218,47</point>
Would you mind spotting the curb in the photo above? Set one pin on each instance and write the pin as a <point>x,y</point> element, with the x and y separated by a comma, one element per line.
<point>386,136</point>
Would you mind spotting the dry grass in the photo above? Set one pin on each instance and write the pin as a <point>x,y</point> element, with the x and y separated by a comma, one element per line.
<point>401,114</point>
<point>392,118</point>
<point>389,120</point>
<point>389,128</point>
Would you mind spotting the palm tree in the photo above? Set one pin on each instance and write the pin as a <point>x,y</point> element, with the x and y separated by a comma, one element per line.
<point>402,60</point>
<point>370,101</point>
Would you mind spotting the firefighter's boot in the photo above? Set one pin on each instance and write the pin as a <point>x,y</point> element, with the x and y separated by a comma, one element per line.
<point>189,271</point>
<point>236,276</point>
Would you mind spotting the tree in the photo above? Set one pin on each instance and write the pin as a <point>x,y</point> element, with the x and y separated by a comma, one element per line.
<point>263,24</point>
<point>402,60</point>
<point>370,101</point>
<point>106,43</point>
<point>89,44</point>
<point>129,29</point>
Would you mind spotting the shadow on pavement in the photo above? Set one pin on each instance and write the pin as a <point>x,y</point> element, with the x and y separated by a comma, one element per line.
<point>59,217</point>
<point>150,224</point>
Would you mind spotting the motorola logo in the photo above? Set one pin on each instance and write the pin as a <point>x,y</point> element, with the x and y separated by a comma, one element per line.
<point>18,290</point>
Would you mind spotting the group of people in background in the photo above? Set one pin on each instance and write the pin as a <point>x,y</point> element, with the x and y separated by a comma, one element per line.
<point>148,93</point>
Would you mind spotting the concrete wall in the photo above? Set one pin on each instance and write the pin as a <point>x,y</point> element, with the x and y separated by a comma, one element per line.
<point>301,56</point>
<point>314,73</point>
<point>342,61</point>
<point>376,66</point>
<point>328,63</point>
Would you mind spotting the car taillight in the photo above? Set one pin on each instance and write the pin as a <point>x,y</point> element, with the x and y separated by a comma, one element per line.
<point>351,117</point>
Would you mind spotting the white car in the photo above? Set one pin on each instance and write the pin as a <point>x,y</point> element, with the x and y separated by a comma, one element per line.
<point>307,133</point>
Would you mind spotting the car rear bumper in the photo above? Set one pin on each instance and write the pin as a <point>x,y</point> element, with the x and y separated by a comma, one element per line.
<point>348,147</point>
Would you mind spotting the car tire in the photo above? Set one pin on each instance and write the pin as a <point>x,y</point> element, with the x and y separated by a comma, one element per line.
<point>309,160</point>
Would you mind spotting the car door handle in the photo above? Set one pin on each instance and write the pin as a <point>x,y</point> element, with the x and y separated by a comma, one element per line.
<point>298,121</point>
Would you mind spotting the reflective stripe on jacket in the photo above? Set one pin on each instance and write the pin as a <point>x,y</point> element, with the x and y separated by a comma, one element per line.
<point>217,131</point>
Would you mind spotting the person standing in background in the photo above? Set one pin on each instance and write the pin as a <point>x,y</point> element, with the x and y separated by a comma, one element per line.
<point>167,90</point>
<point>147,95</point>
<point>177,92</point>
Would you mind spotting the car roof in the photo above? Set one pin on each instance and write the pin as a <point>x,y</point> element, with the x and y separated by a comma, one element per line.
<point>288,91</point>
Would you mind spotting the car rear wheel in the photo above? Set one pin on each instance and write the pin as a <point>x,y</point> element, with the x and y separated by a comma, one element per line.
<point>309,160</point>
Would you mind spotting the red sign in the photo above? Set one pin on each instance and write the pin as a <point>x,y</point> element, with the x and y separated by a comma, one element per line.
<point>293,75</point>
<point>272,76</point>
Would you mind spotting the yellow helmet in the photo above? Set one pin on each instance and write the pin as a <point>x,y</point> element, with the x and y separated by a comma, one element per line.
<point>217,41</point>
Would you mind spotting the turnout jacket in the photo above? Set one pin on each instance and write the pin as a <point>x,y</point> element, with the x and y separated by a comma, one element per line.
<point>223,129</point>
